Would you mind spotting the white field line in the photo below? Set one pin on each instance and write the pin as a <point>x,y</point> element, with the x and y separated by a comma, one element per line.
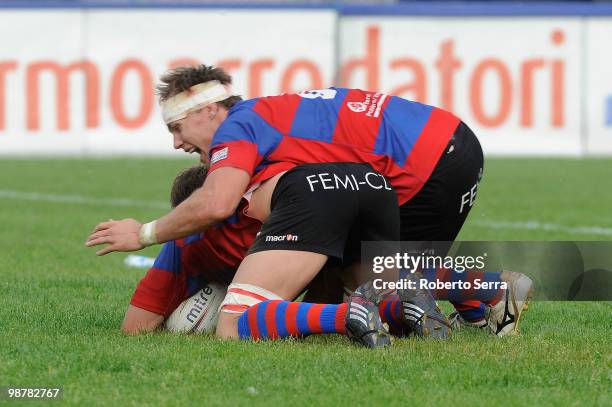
<point>491,224</point>
<point>548,227</point>
<point>80,200</point>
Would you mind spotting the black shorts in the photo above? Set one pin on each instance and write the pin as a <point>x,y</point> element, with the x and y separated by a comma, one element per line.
<point>437,212</point>
<point>329,208</point>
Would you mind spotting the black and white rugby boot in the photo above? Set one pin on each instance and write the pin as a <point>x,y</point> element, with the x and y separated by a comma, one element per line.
<point>421,313</point>
<point>363,323</point>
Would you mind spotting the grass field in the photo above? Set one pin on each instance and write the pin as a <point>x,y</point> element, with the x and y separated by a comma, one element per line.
<point>61,305</point>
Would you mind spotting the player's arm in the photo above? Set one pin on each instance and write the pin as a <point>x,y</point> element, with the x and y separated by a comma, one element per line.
<point>155,292</point>
<point>138,320</point>
<point>216,200</point>
<point>234,156</point>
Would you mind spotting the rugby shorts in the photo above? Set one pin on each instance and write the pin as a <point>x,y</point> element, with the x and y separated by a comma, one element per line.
<point>437,212</point>
<point>329,208</point>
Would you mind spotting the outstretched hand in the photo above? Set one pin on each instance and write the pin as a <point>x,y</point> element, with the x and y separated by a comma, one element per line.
<point>119,235</point>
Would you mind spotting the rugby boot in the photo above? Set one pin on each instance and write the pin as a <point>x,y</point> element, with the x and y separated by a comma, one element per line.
<point>420,312</point>
<point>363,324</point>
<point>503,318</point>
<point>457,322</point>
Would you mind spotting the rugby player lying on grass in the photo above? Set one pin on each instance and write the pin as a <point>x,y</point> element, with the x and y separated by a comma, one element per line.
<point>240,296</point>
<point>184,266</point>
<point>322,221</point>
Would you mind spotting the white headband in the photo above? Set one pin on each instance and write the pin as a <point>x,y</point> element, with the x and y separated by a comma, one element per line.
<point>179,106</point>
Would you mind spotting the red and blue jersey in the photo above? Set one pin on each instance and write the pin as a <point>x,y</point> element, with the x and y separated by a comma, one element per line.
<point>184,266</point>
<point>401,139</point>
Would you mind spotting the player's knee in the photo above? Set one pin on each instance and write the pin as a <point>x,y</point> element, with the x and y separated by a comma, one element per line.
<point>227,326</point>
<point>238,300</point>
<point>227,331</point>
<point>240,297</point>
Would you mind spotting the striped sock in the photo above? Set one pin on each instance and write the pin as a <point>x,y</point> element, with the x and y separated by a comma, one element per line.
<point>488,296</point>
<point>281,319</point>
<point>469,303</point>
<point>390,310</point>
<point>471,311</point>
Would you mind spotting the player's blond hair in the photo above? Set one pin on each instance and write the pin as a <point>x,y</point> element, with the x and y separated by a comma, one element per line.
<point>177,80</point>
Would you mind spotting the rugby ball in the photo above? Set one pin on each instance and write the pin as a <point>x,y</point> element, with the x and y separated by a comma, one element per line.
<point>198,313</point>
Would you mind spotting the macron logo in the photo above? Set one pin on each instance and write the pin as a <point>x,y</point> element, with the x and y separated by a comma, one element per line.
<point>219,155</point>
<point>282,238</point>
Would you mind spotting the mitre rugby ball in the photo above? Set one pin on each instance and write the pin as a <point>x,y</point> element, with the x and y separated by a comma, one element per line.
<point>198,313</point>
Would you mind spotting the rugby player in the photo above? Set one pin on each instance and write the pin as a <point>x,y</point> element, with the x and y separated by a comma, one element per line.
<point>157,295</point>
<point>305,225</point>
<point>183,267</point>
<point>432,159</point>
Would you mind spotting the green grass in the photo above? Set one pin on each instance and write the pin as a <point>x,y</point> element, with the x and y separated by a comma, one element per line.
<point>61,307</point>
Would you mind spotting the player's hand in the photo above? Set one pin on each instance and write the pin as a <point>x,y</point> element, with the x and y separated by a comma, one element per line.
<point>119,235</point>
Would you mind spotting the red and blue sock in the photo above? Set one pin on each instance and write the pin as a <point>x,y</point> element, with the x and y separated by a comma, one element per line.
<point>471,310</point>
<point>470,304</point>
<point>390,311</point>
<point>281,319</point>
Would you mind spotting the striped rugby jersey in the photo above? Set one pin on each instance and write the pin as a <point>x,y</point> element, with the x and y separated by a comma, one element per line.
<point>401,139</point>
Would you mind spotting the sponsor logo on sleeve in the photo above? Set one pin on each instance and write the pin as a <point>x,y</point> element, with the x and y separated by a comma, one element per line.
<point>219,155</point>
